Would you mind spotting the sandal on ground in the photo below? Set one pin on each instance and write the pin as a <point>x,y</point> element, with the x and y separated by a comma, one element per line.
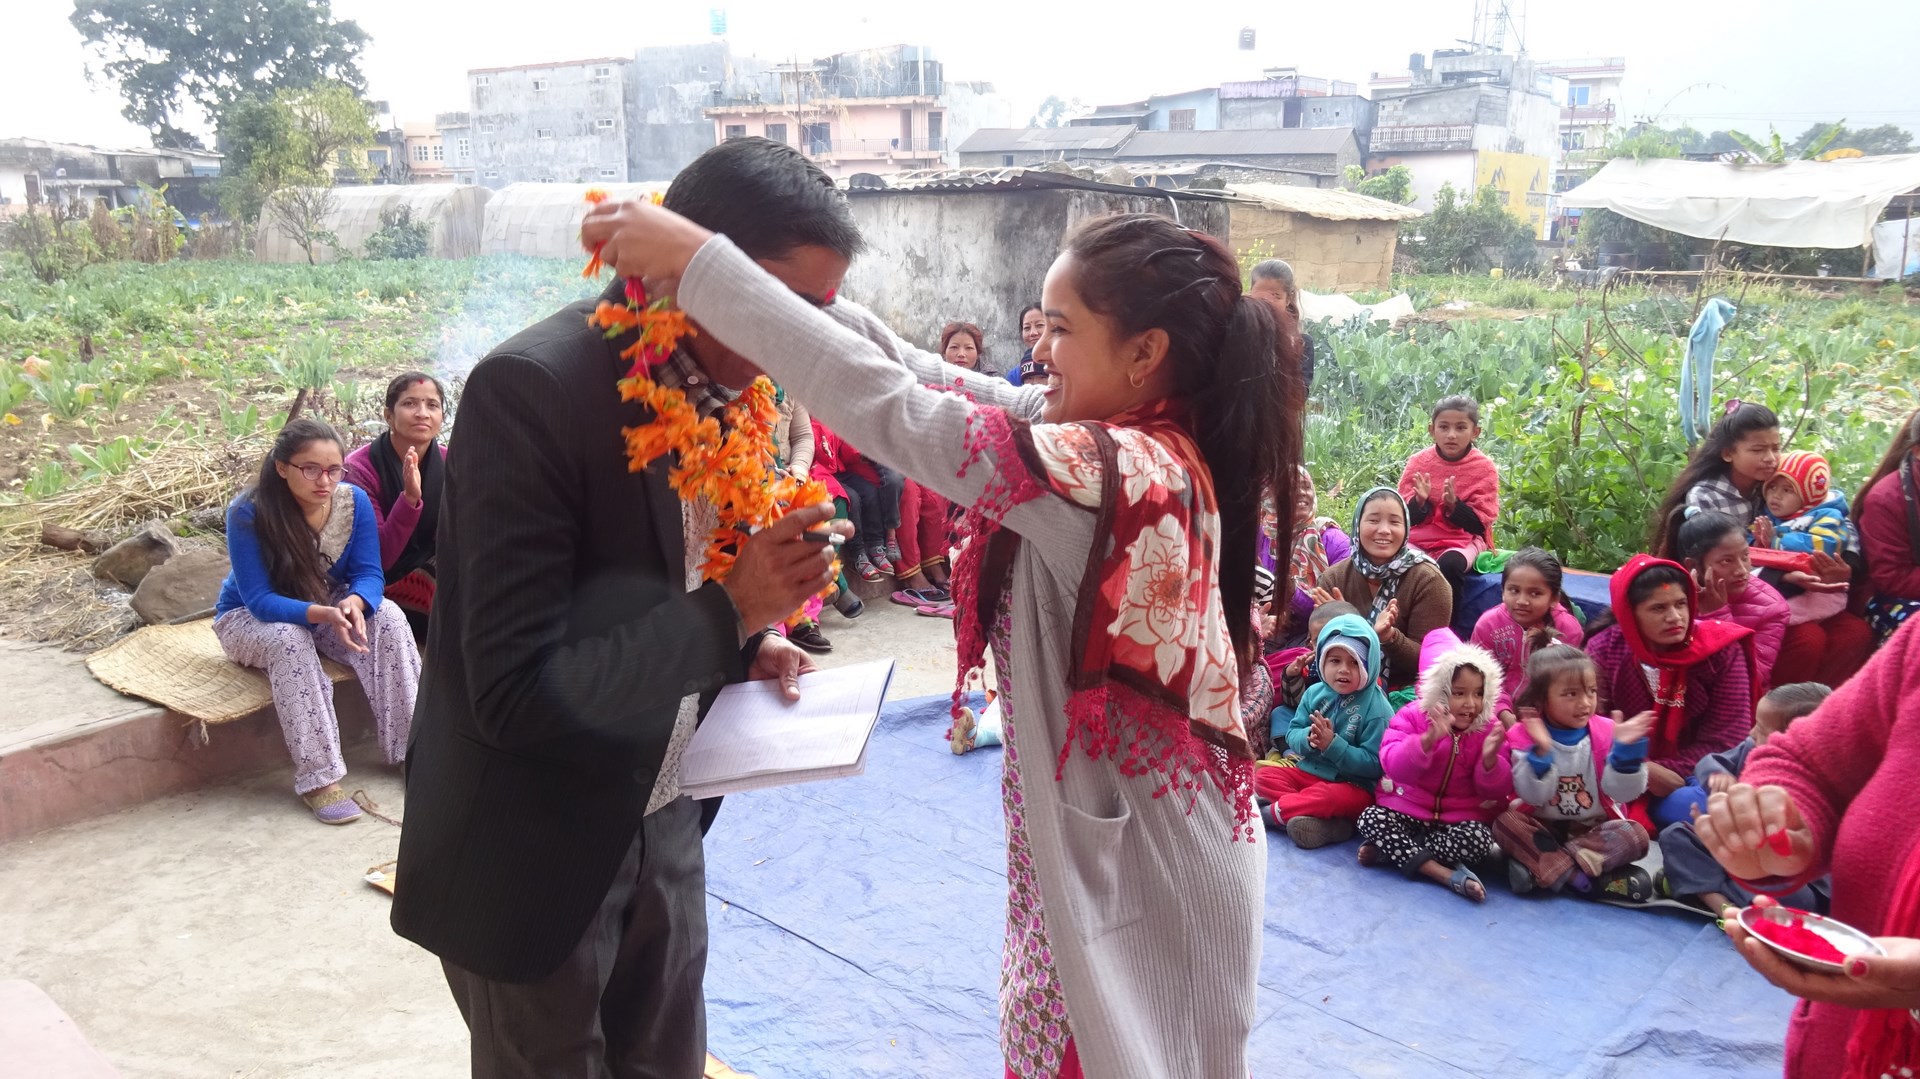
<point>936,610</point>
<point>1370,855</point>
<point>863,565</point>
<point>332,806</point>
<point>915,597</point>
<point>878,556</point>
<point>1465,883</point>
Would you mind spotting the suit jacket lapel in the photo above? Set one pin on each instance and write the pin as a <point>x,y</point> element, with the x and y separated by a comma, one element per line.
<point>663,506</point>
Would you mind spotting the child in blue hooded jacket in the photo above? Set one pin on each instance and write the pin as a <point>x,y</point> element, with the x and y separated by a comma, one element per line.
<point>1336,734</point>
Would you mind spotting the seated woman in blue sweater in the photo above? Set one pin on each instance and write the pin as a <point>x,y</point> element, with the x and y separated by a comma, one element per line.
<point>306,582</point>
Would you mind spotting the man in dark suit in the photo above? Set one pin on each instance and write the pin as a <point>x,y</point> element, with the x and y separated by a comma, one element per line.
<point>548,858</point>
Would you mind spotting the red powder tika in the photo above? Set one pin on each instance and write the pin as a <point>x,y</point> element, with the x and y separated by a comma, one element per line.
<point>1796,936</point>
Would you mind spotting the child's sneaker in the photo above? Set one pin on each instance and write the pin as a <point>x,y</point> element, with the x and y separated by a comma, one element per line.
<point>1629,882</point>
<point>1519,877</point>
<point>1309,833</point>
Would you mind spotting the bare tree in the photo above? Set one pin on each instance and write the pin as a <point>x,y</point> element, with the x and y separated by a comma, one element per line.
<point>301,214</point>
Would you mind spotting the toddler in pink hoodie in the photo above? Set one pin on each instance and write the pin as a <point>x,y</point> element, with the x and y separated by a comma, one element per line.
<point>1444,774</point>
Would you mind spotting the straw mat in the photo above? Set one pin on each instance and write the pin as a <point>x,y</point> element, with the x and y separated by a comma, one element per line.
<point>182,668</point>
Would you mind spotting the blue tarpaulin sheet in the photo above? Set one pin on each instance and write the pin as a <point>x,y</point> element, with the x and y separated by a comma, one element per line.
<point>856,929</point>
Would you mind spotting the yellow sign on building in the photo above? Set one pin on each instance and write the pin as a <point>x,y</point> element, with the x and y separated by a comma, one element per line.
<point>1525,182</point>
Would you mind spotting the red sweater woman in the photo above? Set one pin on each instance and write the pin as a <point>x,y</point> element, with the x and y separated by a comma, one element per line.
<point>1834,794</point>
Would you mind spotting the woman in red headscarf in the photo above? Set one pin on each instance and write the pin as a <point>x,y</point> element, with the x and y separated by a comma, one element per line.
<point>1696,676</point>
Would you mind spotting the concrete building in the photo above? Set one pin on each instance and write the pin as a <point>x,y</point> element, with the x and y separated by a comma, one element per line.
<point>669,89</point>
<point>34,172</point>
<point>961,245</point>
<point>551,123</point>
<point>877,110</point>
<point>456,135</point>
<point>426,154</point>
<point>1287,99</point>
<point>1470,119</point>
<point>1587,113</point>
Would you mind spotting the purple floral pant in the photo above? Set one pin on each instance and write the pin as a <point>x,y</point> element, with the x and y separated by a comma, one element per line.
<point>389,672</point>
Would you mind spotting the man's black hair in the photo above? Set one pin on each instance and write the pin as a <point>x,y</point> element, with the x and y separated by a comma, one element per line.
<point>766,197</point>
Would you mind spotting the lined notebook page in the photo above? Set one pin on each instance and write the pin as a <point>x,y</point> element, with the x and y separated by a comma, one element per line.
<point>753,737</point>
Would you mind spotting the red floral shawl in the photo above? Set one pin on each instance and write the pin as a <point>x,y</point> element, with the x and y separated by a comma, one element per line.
<point>1154,682</point>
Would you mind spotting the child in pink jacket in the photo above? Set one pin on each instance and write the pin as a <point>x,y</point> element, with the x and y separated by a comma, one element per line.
<point>1444,775</point>
<point>1533,613</point>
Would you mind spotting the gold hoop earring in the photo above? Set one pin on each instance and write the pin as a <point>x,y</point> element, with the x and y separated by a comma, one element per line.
<point>1136,384</point>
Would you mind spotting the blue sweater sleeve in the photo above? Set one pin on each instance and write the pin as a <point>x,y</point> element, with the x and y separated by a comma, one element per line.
<point>361,559</point>
<point>250,571</point>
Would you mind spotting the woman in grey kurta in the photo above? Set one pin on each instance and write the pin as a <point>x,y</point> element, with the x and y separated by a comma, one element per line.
<point>1093,569</point>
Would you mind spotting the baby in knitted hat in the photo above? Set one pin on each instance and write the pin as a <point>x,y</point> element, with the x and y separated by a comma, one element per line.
<point>1808,515</point>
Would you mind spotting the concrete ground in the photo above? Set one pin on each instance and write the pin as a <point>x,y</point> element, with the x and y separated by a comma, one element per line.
<point>225,933</point>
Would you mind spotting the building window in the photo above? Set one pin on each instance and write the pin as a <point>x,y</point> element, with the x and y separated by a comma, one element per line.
<point>609,174</point>
<point>542,132</point>
<point>777,132</point>
<point>1006,160</point>
<point>539,86</point>
<point>936,130</point>
<point>1579,95</point>
<point>603,72</point>
<point>604,125</point>
<point>377,159</point>
<point>1181,119</point>
<point>1573,140</point>
<point>486,127</point>
<point>817,137</point>
<point>546,179</point>
<point>493,174</point>
<point>439,151</point>
<point>420,153</point>
<point>736,131</point>
<point>483,80</point>
<point>464,150</point>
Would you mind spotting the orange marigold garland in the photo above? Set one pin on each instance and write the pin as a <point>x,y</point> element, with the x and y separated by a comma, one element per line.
<point>730,463</point>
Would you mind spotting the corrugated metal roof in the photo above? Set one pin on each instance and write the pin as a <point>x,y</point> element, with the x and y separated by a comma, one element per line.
<point>1225,144</point>
<point>1000,140</point>
<point>1329,203</point>
<point>1009,179</point>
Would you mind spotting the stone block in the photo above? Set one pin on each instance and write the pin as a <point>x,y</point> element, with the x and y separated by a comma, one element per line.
<point>185,584</point>
<point>129,561</point>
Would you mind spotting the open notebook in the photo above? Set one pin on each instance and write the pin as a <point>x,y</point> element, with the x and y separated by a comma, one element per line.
<point>753,737</point>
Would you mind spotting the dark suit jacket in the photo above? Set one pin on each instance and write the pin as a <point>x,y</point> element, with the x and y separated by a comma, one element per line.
<point>561,644</point>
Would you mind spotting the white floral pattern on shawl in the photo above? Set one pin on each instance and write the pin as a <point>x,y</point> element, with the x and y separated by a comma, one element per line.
<point>1155,681</point>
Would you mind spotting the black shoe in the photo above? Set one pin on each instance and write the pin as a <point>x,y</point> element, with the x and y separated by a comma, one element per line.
<point>810,638</point>
<point>848,604</point>
<point>1630,883</point>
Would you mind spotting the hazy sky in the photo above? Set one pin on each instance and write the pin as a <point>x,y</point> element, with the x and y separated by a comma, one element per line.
<point>1717,65</point>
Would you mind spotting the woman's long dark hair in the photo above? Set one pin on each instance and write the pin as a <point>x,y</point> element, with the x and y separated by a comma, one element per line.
<point>288,546</point>
<point>1903,443</point>
<point>1707,463</point>
<point>1699,534</point>
<point>1235,360</point>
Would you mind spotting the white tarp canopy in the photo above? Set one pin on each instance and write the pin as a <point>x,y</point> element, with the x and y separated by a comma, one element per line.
<point>543,220</point>
<point>1792,204</point>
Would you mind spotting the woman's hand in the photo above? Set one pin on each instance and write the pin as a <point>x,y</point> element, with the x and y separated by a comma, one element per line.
<point>1755,833</point>
<point>1387,615</point>
<point>1322,596</point>
<point>1827,574</point>
<point>354,633</point>
<point>639,239</point>
<point>1320,735</point>
<point>1890,981</point>
<point>410,477</point>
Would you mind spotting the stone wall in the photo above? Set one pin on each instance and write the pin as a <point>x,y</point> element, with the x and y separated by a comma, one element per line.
<point>935,257</point>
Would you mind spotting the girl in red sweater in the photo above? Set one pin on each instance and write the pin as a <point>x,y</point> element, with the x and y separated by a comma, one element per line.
<point>1452,492</point>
